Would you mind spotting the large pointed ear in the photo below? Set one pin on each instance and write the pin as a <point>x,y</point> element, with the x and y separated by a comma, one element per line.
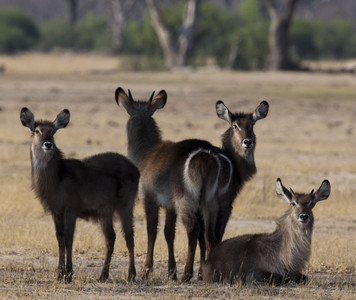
<point>223,112</point>
<point>159,101</point>
<point>122,99</point>
<point>27,118</point>
<point>62,119</point>
<point>323,192</point>
<point>261,111</point>
<point>282,192</point>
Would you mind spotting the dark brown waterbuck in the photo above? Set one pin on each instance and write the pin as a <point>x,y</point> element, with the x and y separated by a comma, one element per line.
<point>190,178</point>
<point>93,188</point>
<point>275,258</point>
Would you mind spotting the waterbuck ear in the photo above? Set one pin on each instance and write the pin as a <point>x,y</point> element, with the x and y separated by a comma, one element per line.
<point>62,119</point>
<point>282,192</point>
<point>159,101</point>
<point>122,99</point>
<point>261,111</point>
<point>27,118</point>
<point>323,192</point>
<point>223,112</point>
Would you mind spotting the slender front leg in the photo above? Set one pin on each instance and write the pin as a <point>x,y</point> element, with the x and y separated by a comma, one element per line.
<point>69,226</point>
<point>152,210</point>
<point>169,233</point>
<point>110,236</point>
<point>58,221</point>
<point>126,216</point>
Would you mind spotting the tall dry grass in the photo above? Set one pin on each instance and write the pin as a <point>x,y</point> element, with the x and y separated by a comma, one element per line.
<point>309,135</point>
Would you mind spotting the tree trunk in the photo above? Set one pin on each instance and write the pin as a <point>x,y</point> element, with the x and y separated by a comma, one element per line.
<point>187,30</point>
<point>120,9</point>
<point>164,37</point>
<point>175,55</point>
<point>278,34</point>
<point>73,11</point>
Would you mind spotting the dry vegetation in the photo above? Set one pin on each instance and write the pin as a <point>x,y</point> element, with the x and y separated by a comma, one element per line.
<point>309,135</point>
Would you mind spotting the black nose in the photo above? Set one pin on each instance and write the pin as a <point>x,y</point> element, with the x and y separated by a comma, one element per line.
<point>47,145</point>
<point>304,217</point>
<point>247,143</point>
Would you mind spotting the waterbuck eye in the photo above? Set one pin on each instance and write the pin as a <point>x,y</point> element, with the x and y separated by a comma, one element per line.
<point>236,126</point>
<point>293,203</point>
<point>37,131</point>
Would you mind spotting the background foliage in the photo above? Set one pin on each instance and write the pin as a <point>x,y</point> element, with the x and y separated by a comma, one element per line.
<point>228,38</point>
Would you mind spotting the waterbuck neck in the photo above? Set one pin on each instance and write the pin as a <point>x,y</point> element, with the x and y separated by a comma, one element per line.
<point>142,133</point>
<point>294,241</point>
<point>46,175</point>
<point>244,165</point>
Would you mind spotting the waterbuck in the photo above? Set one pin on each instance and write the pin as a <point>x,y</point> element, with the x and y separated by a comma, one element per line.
<point>275,258</point>
<point>93,188</point>
<point>190,178</point>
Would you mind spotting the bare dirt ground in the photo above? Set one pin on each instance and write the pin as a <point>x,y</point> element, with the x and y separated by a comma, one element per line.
<point>309,135</point>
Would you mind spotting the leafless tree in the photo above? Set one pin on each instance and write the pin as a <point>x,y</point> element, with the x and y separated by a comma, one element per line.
<point>281,14</point>
<point>120,10</point>
<point>73,11</point>
<point>175,54</point>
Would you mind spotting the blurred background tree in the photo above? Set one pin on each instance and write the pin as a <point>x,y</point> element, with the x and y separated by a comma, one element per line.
<point>155,34</point>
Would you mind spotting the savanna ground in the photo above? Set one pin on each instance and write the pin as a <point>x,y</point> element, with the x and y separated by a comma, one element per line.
<point>309,135</point>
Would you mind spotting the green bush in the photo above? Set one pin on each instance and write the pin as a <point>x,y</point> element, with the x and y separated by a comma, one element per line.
<point>90,33</point>
<point>19,31</point>
<point>323,40</point>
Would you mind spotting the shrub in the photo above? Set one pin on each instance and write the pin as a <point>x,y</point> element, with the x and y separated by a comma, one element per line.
<point>90,33</point>
<point>19,31</point>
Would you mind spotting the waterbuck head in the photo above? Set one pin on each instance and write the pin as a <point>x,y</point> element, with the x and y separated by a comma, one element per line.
<point>302,204</point>
<point>243,137</point>
<point>145,107</point>
<point>43,145</point>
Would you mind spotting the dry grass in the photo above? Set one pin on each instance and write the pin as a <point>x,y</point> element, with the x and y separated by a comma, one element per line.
<point>308,135</point>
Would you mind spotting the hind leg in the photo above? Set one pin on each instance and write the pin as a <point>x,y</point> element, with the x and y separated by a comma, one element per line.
<point>110,237</point>
<point>202,247</point>
<point>191,224</point>
<point>169,233</point>
<point>152,210</point>
<point>126,217</point>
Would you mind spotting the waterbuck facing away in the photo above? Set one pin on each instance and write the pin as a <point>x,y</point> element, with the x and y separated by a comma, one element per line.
<point>94,188</point>
<point>191,178</point>
<point>275,258</point>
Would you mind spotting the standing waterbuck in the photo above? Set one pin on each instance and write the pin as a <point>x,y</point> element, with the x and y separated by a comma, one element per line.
<point>190,178</point>
<point>276,258</point>
<point>93,188</point>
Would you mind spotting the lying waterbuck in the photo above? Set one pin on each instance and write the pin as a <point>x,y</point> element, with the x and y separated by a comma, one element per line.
<point>94,188</point>
<point>191,178</point>
<point>276,258</point>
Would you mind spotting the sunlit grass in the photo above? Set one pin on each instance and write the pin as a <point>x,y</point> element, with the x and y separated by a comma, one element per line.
<point>308,136</point>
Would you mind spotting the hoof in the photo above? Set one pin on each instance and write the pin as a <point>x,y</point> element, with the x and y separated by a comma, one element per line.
<point>186,277</point>
<point>68,277</point>
<point>172,274</point>
<point>146,274</point>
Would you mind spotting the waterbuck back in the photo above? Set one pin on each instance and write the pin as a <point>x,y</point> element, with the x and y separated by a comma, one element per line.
<point>94,188</point>
<point>278,257</point>
<point>190,178</point>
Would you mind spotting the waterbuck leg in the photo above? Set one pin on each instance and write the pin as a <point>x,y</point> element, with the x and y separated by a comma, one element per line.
<point>202,247</point>
<point>69,226</point>
<point>192,227</point>
<point>169,233</point>
<point>61,246</point>
<point>152,210</point>
<point>221,221</point>
<point>110,236</point>
<point>127,227</point>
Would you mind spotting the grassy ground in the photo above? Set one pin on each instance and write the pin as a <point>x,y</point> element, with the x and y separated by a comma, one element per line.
<point>309,135</point>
